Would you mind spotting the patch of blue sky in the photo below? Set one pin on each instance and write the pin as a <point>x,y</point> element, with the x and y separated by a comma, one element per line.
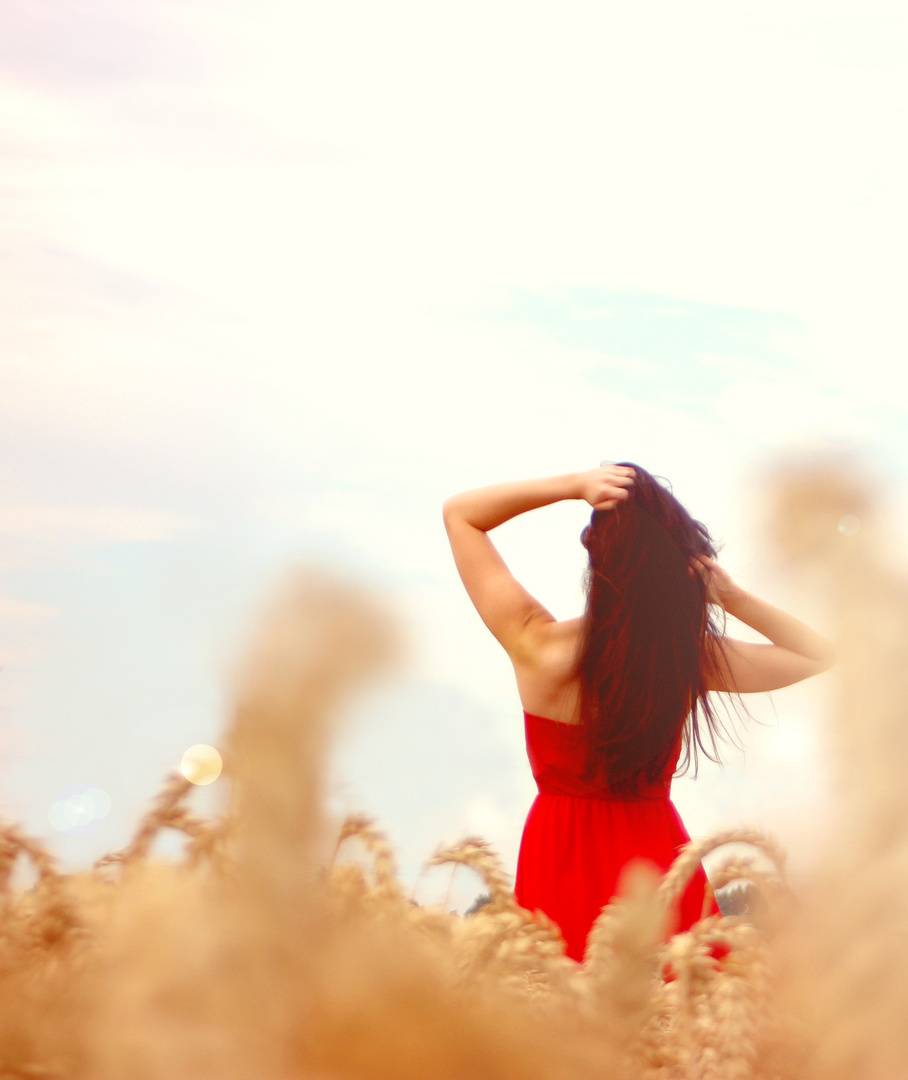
<point>658,347</point>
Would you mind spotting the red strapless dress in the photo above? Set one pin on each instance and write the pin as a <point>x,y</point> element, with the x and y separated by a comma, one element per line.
<point>579,836</point>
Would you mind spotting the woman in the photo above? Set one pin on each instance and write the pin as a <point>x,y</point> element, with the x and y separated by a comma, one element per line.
<point>613,699</point>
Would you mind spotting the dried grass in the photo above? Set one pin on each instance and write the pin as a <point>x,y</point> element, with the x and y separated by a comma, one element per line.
<point>251,958</point>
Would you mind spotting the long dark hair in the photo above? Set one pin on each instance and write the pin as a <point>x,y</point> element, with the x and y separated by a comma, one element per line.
<point>646,640</point>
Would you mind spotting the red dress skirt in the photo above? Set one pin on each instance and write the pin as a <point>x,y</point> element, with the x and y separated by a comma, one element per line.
<point>578,838</point>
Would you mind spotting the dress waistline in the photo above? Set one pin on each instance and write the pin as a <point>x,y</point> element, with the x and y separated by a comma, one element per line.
<point>607,796</point>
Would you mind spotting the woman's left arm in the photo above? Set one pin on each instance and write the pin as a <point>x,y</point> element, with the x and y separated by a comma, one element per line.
<point>794,651</point>
<point>504,605</point>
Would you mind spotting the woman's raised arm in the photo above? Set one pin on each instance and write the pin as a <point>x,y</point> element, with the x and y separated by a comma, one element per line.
<point>506,608</point>
<point>796,651</point>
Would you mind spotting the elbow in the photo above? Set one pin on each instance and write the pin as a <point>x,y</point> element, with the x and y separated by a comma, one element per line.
<point>827,657</point>
<point>459,513</point>
<point>451,510</point>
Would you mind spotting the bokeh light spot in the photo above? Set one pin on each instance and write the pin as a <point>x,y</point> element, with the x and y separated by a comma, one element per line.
<point>201,764</point>
<point>849,525</point>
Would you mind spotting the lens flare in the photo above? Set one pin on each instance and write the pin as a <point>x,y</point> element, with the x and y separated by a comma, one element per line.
<point>79,810</point>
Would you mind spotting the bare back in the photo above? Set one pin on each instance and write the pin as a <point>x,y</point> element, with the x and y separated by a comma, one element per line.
<point>546,670</point>
<point>545,666</point>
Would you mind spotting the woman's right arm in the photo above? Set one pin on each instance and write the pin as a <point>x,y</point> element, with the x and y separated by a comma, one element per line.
<point>794,652</point>
<point>506,608</point>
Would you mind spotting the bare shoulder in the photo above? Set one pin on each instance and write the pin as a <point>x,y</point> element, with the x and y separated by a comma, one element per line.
<point>547,641</point>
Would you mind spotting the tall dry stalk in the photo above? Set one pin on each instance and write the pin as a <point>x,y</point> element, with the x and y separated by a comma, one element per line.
<point>848,949</point>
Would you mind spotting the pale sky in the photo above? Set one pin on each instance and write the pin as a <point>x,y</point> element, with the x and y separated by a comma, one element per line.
<point>276,279</point>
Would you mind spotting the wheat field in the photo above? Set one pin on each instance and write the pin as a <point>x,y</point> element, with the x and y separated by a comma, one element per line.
<point>256,957</point>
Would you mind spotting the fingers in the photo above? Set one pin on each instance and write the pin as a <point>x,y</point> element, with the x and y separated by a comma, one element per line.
<point>622,475</point>
<point>613,496</point>
<point>611,486</point>
<point>702,565</point>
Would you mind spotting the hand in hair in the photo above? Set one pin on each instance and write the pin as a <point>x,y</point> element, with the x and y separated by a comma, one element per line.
<point>720,589</point>
<point>605,487</point>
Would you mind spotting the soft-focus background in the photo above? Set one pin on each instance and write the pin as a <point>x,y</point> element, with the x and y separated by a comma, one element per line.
<point>278,277</point>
